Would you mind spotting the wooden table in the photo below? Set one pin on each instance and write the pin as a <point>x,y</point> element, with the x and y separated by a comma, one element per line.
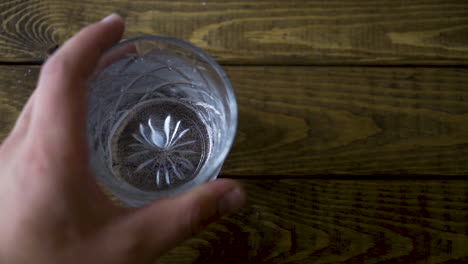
<point>353,133</point>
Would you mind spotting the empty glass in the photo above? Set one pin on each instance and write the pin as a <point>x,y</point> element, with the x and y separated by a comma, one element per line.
<point>161,119</point>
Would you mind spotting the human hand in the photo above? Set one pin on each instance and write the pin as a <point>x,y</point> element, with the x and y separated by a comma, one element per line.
<point>52,209</point>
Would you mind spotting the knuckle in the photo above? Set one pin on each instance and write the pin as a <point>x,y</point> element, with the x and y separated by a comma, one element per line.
<point>202,210</point>
<point>55,64</point>
<point>86,30</point>
<point>32,170</point>
<point>133,242</point>
<point>133,247</point>
<point>192,223</point>
<point>37,160</point>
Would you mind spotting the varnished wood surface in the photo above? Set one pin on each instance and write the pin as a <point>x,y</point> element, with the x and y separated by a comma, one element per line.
<point>329,120</point>
<point>310,221</point>
<point>350,120</point>
<point>16,85</point>
<point>305,121</point>
<point>258,32</point>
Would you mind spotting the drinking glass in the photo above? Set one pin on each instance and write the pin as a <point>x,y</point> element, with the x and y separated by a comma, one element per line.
<point>162,117</point>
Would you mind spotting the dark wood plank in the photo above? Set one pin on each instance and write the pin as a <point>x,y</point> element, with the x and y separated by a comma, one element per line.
<point>310,221</point>
<point>260,31</point>
<point>334,120</point>
<point>16,85</point>
<point>329,120</point>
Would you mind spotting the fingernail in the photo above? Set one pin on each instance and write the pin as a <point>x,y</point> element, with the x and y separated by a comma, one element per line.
<point>232,201</point>
<point>111,18</point>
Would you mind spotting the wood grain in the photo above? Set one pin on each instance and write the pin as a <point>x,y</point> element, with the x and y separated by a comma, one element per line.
<point>305,32</point>
<point>16,85</point>
<point>329,120</point>
<point>317,221</point>
<point>350,120</point>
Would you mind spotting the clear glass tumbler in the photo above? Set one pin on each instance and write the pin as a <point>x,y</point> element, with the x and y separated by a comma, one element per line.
<point>161,119</point>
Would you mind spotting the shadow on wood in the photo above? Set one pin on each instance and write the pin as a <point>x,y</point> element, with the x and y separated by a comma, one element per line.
<point>317,221</point>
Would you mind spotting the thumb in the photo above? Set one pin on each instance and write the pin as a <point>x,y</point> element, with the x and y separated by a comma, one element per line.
<point>165,223</point>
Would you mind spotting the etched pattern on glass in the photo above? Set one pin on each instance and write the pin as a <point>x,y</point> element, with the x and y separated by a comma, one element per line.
<point>154,120</point>
<point>168,148</point>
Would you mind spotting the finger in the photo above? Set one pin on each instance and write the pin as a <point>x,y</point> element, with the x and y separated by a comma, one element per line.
<point>165,223</point>
<point>60,103</point>
<point>78,57</point>
<point>115,55</point>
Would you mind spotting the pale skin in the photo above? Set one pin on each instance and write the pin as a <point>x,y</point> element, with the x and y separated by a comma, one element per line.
<point>52,209</point>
